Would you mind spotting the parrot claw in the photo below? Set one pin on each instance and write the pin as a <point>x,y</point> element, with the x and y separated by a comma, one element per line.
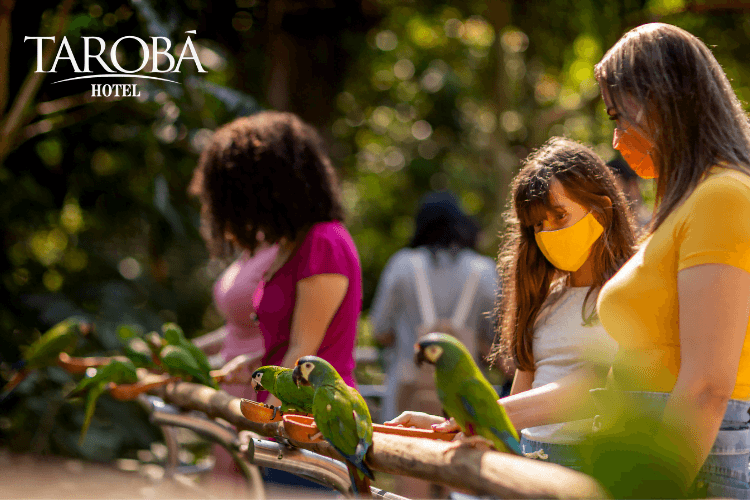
<point>273,416</point>
<point>477,442</point>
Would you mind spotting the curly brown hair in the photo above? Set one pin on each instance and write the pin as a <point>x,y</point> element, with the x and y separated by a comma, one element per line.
<point>268,172</point>
<point>528,277</point>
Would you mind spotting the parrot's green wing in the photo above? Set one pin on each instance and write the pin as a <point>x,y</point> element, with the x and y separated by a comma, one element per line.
<point>344,420</point>
<point>333,416</point>
<point>362,416</point>
<point>291,396</point>
<point>61,337</point>
<point>480,414</point>
<point>179,362</point>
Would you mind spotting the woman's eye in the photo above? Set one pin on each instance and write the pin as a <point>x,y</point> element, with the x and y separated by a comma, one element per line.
<point>561,216</point>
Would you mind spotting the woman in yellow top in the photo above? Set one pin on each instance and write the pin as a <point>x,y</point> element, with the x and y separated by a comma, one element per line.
<point>679,308</point>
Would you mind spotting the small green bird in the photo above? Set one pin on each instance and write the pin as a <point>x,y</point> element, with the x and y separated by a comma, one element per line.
<point>341,415</point>
<point>174,336</point>
<point>278,381</point>
<point>44,351</point>
<point>464,392</point>
<point>179,362</point>
<point>135,347</point>
<point>117,371</point>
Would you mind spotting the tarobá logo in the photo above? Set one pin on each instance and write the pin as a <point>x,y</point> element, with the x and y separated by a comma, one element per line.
<point>150,52</point>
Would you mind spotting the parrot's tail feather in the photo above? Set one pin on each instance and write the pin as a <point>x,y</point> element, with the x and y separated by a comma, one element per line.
<point>508,440</point>
<point>360,483</point>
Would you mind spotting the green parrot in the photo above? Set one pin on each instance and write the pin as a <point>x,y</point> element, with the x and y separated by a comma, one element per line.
<point>135,347</point>
<point>278,381</point>
<point>464,392</point>
<point>117,371</point>
<point>44,351</point>
<point>173,335</point>
<point>341,415</point>
<point>179,362</point>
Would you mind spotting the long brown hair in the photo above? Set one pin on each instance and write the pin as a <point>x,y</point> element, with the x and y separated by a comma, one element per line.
<point>697,120</point>
<point>527,275</point>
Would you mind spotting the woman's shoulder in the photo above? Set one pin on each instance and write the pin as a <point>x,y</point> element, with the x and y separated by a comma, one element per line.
<point>722,188</point>
<point>329,234</point>
<point>722,179</point>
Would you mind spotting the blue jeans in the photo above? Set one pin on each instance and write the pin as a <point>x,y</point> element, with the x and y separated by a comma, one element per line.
<point>569,455</point>
<point>725,472</point>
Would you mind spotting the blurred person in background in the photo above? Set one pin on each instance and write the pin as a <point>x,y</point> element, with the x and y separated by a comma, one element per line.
<point>430,278</point>
<point>268,189</point>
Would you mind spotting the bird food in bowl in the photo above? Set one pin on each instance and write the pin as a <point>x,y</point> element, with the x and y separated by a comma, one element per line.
<point>259,412</point>
<point>301,428</point>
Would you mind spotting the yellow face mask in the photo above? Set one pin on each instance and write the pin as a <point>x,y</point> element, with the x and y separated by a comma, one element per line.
<point>568,248</point>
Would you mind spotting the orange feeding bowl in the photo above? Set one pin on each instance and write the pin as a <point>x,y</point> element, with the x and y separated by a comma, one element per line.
<point>300,428</point>
<point>128,392</point>
<point>258,412</point>
<point>80,365</point>
<point>409,432</point>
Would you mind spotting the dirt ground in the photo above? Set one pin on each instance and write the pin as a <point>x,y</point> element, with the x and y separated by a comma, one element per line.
<point>32,477</point>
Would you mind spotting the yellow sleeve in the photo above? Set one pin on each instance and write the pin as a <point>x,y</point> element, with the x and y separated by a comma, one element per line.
<point>717,225</point>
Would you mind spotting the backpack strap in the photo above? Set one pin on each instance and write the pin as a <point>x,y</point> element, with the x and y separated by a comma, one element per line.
<point>424,295</point>
<point>466,300</point>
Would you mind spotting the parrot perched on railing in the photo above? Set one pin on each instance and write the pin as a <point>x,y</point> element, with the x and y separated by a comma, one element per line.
<point>179,350</point>
<point>117,371</point>
<point>44,352</point>
<point>465,394</point>
<point>341,415</point>
<point>278,381</point>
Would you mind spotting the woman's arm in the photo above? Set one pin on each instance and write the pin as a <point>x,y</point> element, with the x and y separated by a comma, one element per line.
<point>714,309</point>
<point>318,299</point>
<point>560,401</point>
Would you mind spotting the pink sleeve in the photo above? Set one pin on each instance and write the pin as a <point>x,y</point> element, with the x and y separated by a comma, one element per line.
<point>325,251</point>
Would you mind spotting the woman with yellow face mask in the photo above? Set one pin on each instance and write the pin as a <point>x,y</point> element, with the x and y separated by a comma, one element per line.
<point>569,230</point>
<point>680,308</point>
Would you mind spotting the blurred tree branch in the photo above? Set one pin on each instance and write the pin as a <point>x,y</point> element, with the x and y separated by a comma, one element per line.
<point>19,111</point>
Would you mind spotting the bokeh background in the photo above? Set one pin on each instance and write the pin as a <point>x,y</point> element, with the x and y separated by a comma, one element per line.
<point>410,96</point>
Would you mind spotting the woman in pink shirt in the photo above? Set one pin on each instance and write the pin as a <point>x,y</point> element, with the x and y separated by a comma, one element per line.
<point>269,174</point>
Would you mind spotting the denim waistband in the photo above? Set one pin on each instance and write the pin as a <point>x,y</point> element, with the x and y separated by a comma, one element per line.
<point>653,403</point>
